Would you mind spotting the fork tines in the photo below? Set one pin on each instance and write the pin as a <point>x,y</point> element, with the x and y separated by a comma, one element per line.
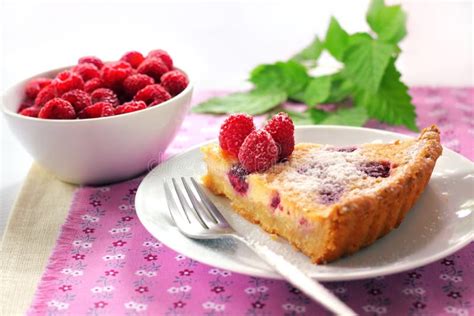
<point>188,204</point>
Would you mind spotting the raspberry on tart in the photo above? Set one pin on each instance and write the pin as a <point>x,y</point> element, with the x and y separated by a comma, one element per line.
<point>233,132</point>
<point>259,152</point>
<point>281,127</point>
<point>326,201</point>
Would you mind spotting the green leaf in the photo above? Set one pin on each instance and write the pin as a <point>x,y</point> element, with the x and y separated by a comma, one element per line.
<point>354,116</point>
<point>391,103</point>
<point>389,22</point>
<point>289,76</point>
<point>297,97</point>
<point>317,90</point>
<point>253,102</point>
<point>341,88</point>
<point>366,61</point>
<point>300,118</point>
<point>308,117</point>
<point>310,53</point>
<point>317,115</point>
<point>358,37</point>
<point>336,39</point>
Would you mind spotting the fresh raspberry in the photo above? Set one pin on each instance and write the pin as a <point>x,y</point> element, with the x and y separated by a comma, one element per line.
<point>92,60</point>
<point>163,55</point>
<point>32,111</point>
<point>78,99</point>
<point>34,86</point>
<point>174,81</point>
<point>93,84</point>
<point>26,104</point>
<point>66,81</point>
<point>87,71</point>
<point>152,95</point>
<point>153,67</point>
<point>131,106</point>
<point>99,109</point>
<point>135,83</point>
<point>233,132</point>
<point>57,109</point>
<point>114,74</point>
<point>104,95</point>
<point>281,127</point>
<point>134,58</point>
<point>46,94</point>
<point>258,152</point>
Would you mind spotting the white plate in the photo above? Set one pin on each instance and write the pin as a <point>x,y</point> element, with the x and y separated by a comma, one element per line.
<point>440,223</point>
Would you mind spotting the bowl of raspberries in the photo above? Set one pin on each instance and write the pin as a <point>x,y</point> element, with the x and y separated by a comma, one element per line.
<point>99,122</point>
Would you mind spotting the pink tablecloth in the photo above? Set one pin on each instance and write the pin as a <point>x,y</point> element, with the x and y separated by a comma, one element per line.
<point>105,262</point>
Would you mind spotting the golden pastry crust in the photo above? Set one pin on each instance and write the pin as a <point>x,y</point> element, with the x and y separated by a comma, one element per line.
<point>357,219</point>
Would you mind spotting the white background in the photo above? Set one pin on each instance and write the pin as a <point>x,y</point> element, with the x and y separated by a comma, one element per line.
<point>217,42</point>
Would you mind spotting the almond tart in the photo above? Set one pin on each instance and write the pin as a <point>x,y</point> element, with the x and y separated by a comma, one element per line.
<point>328,201</point>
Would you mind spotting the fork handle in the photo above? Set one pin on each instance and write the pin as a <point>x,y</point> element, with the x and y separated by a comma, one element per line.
<point>298,278</point>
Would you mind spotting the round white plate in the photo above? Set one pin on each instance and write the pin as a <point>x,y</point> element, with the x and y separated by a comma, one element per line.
<point>440,223</point>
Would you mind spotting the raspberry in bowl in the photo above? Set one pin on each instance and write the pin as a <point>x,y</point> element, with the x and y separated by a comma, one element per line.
<point>98,122</point>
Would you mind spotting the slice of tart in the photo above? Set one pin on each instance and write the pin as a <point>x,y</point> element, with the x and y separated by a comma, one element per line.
<point>326,201</point>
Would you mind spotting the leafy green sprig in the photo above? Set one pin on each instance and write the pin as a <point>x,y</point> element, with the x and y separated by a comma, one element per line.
<point>368,78</point>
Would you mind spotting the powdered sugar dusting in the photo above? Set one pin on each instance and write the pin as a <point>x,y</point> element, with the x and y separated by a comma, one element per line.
<point>322,172</point>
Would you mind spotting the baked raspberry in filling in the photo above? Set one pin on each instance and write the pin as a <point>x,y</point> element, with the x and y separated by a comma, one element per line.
<point>330,194</point>
<point>347,149</point>
<point>376,169</point>
<point>238,179</point>
<point>327,173</point>
<point>275,202</point>
<point>323,172</point>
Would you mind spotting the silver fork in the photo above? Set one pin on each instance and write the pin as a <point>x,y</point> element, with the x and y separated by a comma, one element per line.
<point>201,219</point>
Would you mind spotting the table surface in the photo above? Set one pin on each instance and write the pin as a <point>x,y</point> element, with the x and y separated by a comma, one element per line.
<point>105,260</point>
<point>211,40</point>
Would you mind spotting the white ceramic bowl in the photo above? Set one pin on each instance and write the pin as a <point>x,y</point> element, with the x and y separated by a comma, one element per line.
<point>100,150</point>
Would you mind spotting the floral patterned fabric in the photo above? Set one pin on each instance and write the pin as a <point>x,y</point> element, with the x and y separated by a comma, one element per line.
<point>105,262</point>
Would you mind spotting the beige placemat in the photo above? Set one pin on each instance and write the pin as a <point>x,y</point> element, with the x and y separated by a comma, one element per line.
<point>30,236</point>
